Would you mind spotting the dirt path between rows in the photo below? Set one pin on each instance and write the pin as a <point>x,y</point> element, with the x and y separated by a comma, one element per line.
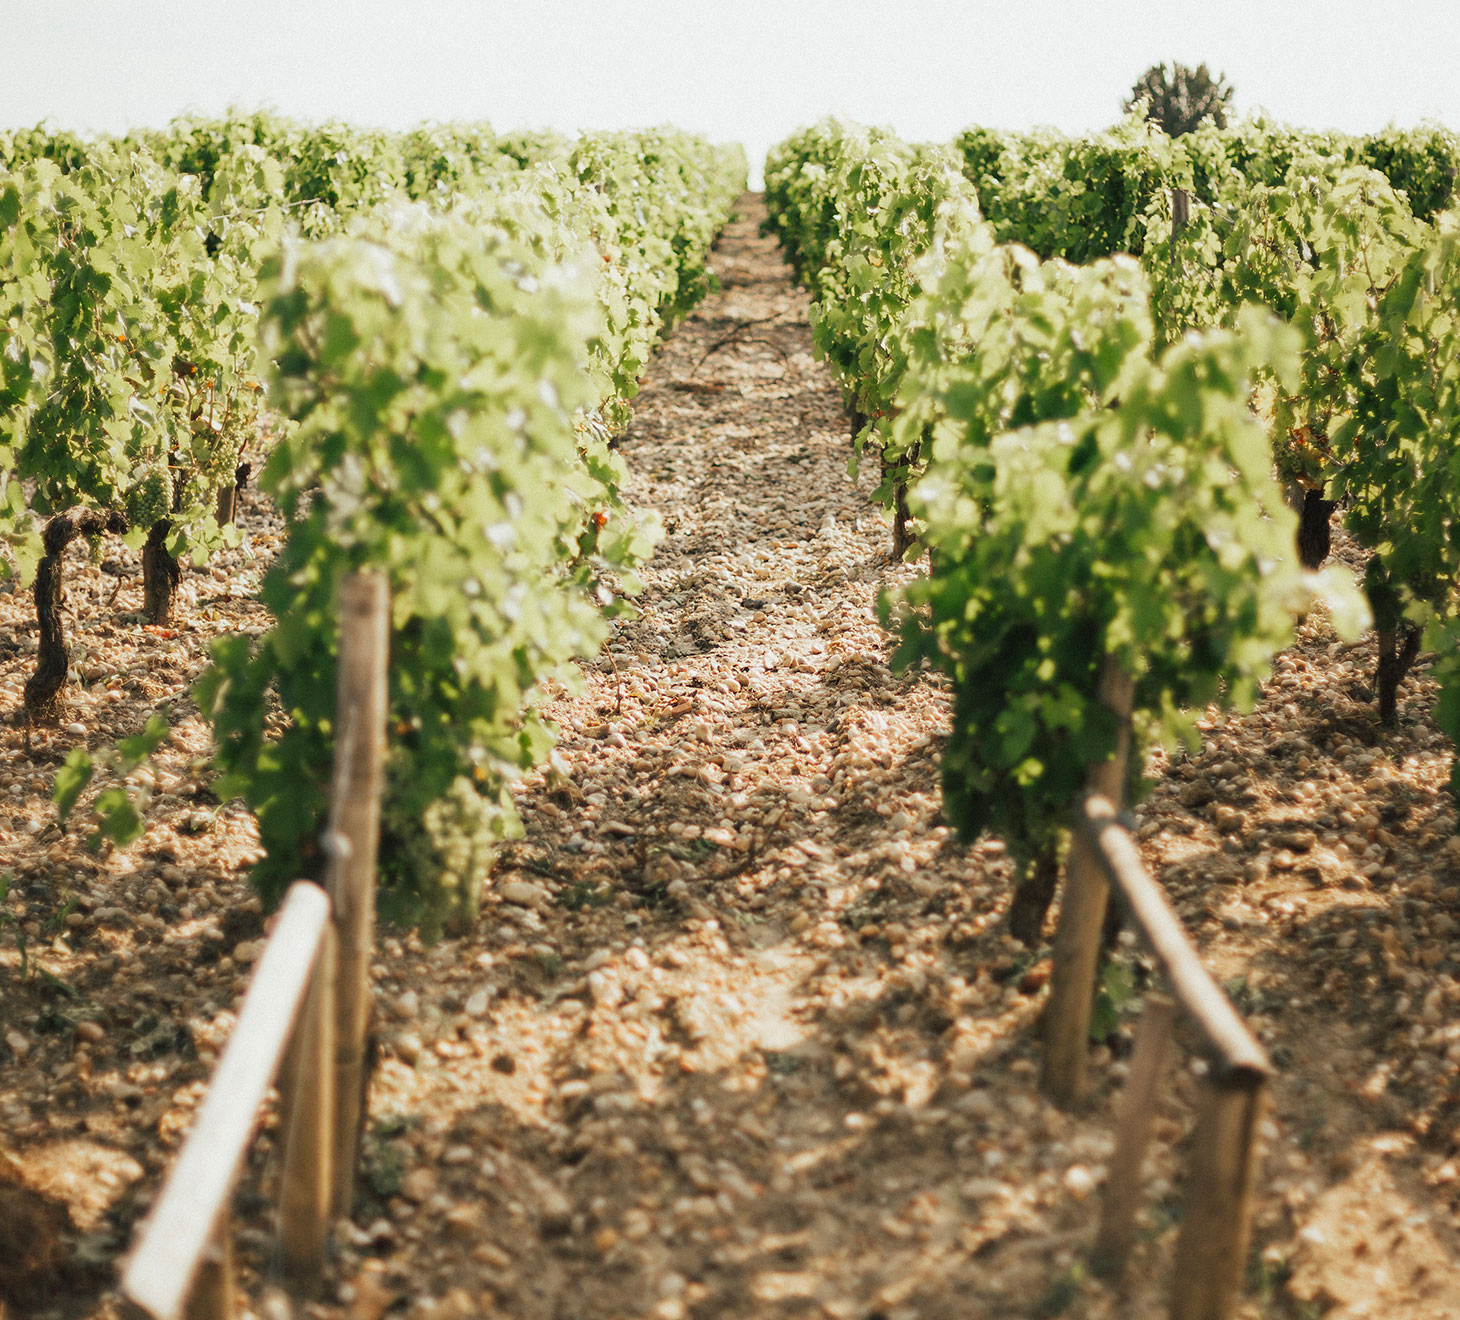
<point>788,1067</point>
<point>736,1081</point>
<point>740,1034</point>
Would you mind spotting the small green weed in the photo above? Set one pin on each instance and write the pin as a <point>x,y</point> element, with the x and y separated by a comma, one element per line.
<point>1251,1000</point>
<point>57,919</point>
<point>583,895</point>
<point>385,1162</point>
<point>8,920</point>
<point>1060,1295</point>
<point>1116,990</point>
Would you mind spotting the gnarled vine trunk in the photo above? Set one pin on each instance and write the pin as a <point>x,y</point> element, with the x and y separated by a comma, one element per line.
<point>160,574</point>
<point>901,538</point>
<point>1314,538</point>
<point>1398,638</point>
<point>53,660</point>
<point>1033,895</point>
<point>901,516</point>
<point>1398,650</point>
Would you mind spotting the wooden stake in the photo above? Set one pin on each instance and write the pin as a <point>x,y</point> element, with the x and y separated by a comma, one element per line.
<point>179,1232</point>
<point>1082,914</point>
<point>1224,1035</point>
<point>306,1192</point>
<point>1211,1252</point>
<point>1133,1135</point>
<point>354,833</point>
<point>213,1296</point>
<point>225,504</point>
<point>1180,211</point>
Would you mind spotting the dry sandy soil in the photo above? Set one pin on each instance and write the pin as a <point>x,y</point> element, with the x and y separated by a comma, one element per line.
<point>740,1033</point>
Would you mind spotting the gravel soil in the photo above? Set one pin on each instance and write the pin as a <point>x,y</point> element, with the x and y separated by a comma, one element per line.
<point>740,1033</point>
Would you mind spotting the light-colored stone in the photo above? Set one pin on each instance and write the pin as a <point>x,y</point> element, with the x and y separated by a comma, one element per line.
<point>523,893</point>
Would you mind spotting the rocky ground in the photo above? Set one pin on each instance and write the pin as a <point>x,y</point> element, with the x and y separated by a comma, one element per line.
<point>740,1033</point>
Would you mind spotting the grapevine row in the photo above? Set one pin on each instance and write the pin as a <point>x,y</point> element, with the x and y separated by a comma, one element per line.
<point>1084,197</point>
<point>451,329</point>
<point>1091,449</point>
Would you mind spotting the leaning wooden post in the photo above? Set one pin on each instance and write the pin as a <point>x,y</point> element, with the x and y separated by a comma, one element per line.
<point>180,1241</point>
<point>1212,1249</point>
<point>1082,915</point>
<point>1211,1253</point>
<point>307,1186</point>
<point>354,832</point>
<point>1133,1135</point>
<point>213,1295</point>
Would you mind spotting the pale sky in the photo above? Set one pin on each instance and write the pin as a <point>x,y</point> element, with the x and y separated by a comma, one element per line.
<point>749,71</point>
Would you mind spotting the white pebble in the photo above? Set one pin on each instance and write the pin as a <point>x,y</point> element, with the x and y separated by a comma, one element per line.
<point>1079,1181</point>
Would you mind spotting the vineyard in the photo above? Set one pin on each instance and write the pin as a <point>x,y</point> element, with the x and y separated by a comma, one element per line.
<point>770,577</point>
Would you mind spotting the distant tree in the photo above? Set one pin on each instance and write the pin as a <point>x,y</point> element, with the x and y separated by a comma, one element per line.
<point>1181,99</point>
